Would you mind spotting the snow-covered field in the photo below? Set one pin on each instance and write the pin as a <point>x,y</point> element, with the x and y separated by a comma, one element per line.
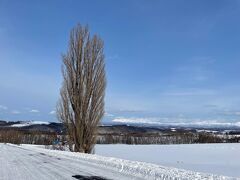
<point>221,159</point>
<point>29,123</point>
<point>31,162</point>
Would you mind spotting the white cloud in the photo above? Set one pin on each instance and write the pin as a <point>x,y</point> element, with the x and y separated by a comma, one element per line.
<point>16,112</point>
<point>52,112</point>
<point>113,57</point>
<point>177,122</point>
<point>34,111</point>
<point>135,120</point>
<point>3,107</point>
<point>191,92</point>
<point>108,114</point>
<point>131,110</point>
<point>231,113</point>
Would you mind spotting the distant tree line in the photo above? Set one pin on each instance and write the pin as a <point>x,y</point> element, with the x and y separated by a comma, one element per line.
<point>31,137</point>
<point>43,138</point>
<point>173,138</point>
<point>147,138</point>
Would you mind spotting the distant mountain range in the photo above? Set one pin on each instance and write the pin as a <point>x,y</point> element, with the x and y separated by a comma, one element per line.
<point>32,126</point>
<point>110,128</point>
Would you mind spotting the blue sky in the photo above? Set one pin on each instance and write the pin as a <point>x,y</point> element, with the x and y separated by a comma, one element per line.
<point>173,60</point>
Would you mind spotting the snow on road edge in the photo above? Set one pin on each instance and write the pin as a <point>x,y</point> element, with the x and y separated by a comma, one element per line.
<point>134,168</point>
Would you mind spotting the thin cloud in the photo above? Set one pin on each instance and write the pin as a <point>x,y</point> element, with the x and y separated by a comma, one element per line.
<point>211,106</point>
<point>191,92</point>
<point>16,112</point>
<point>52,112</point>
<point>204,60</point>
<point>231,113</point>
<point>34,111</point>
<point>197,69</point>
<point>108,114</point>
<point>2,107</point>
<point>131,110</point>
<point>113,57</point>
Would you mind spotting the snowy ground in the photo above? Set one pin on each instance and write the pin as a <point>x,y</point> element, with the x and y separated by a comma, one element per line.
<point>222,159</point>
<point>29,123</point>
<point>31,162</point>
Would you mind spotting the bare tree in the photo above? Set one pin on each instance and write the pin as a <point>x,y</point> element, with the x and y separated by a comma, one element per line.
<point>81,104</point>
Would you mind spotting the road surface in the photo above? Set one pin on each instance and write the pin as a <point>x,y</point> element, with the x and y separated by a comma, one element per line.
<point>26,164</point>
